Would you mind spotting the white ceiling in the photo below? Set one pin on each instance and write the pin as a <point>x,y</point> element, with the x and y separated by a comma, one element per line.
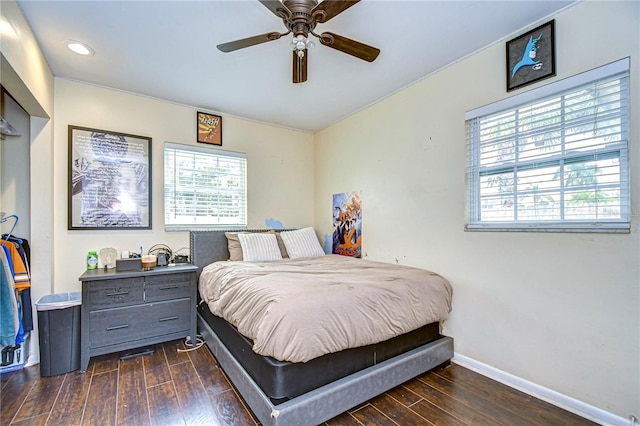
<point>167,50</point>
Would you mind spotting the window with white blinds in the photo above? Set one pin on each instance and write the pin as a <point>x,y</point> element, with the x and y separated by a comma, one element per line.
<point>204,187</point>
<point>555,159</point>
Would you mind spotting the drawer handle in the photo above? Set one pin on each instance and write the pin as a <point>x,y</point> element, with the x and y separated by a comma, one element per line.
<point>168,287</point>
<point>117,327</point>
<point>167,319</point>
<point>118,293</point>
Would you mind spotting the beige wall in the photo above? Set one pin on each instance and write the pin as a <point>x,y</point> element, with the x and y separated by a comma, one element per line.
<point>559,310</point>
<point>280,169</point>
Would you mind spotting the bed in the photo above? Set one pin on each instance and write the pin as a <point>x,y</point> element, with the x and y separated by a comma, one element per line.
<point>282,392</point>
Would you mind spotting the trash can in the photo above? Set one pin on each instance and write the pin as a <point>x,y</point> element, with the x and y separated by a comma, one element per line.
<point>59,333</point>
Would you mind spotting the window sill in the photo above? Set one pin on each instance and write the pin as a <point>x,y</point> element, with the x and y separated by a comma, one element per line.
<point>201,227</point>
<point>601,228</point>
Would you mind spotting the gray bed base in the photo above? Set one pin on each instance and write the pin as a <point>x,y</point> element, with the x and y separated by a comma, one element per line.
<point>326,402</point>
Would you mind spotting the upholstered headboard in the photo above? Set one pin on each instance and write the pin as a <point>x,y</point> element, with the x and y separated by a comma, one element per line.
<point>211,246</point>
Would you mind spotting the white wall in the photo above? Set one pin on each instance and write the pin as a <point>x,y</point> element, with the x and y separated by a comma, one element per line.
<point>26,75</point>
<point>15,179</point>
<point>280,169</point>
<point>559,310</point>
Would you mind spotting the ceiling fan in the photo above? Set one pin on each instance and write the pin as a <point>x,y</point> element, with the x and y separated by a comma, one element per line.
<point>300,17</point>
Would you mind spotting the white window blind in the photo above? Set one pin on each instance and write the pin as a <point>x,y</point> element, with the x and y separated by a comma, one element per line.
<point>204,187</point>
<point>558,162</point>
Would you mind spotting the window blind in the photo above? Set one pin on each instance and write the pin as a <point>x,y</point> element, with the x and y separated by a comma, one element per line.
<point>555,163</point>
<point>204,187</point>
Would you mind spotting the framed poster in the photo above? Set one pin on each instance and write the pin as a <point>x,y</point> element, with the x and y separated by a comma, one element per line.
<point>347,224</point>
<point>209,128</point>
<point>109,180</point>
<point>531,57</point>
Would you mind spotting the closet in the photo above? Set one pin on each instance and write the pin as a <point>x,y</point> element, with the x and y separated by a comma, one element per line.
<point>16,312</point>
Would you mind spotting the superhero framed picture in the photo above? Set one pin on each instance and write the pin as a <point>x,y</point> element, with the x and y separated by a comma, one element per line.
<point>531,56</point>
<point>209,128</point>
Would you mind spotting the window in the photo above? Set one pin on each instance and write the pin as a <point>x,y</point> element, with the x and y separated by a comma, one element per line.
<point>203,187</point>
<point>554,158</point>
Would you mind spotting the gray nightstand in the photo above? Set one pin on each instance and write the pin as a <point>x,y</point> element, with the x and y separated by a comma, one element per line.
<point>131,309</point>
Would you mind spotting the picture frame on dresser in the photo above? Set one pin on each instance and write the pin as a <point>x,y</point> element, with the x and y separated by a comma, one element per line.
<point>109,180</point>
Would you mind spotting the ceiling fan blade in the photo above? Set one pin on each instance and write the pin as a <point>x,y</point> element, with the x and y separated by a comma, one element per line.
<point>249,41</point>
<point>352,47</point>
<point>300,67</point>
<point>328,9</point>
<point>278,9</point>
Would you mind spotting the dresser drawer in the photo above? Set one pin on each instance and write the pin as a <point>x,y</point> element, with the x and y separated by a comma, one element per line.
<point>111,326</point>
<point>116,293</point>
<point>167,287</point>
<point>169,317</point>
<point>115,326</point>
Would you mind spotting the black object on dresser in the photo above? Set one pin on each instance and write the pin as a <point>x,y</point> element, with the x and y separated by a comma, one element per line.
<point>130,309</point>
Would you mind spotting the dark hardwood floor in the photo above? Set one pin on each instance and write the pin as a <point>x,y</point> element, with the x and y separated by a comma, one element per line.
<point>188,388</point>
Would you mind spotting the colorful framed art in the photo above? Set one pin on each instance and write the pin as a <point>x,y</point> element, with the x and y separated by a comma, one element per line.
<point>209,128</point>
<point>531,56</point>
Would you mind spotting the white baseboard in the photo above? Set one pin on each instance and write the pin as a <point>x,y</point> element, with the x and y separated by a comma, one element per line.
<point>565,402</point>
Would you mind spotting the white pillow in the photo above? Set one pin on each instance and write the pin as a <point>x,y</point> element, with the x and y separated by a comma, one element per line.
<point>302,243</point>
<point>260,247</point>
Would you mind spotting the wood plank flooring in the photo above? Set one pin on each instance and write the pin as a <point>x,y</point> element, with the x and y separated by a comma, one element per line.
<point>171,387</point>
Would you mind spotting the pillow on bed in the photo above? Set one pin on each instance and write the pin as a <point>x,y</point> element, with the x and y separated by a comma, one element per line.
<point>235,249</point>
<point>283,248</point>
<point>302,243</point>
<point>233,244</point>
<point>259,247</point>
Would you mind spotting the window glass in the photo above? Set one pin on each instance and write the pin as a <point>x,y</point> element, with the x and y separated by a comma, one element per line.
<point>203,187</point>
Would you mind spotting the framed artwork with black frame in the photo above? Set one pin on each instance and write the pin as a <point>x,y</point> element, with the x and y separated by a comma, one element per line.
<point>109,180</point>
<point>531,56</point>
<point>209,128</point>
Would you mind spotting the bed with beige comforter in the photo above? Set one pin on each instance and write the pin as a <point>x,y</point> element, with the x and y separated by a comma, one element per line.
<point>299,309</point>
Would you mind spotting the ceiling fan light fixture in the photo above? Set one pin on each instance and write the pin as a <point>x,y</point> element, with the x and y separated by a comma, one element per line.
<point>300,43</point>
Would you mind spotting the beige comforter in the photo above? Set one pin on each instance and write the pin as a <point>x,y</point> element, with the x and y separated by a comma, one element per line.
<point>298,309</point>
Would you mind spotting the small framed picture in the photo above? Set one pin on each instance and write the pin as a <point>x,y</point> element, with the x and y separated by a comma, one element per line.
<point>531,56</point>
<point>209,128</point>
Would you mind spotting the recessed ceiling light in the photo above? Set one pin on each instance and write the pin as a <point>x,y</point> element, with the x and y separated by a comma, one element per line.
<point>79,48</point>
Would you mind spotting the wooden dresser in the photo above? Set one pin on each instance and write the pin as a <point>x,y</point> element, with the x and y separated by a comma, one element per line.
<point>131,309</point>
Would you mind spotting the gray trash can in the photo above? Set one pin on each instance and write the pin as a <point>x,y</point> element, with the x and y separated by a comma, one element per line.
<point>59,333</point>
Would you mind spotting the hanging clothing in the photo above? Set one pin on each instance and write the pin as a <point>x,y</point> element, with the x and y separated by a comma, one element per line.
<point>20,271</point>
<point>9,320</point>
<point>25,295</point>
<point>27,310</point>
<point>24,244</point>
<point>10,271</point>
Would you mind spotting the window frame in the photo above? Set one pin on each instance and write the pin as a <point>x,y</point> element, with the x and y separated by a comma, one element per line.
<point>474,220</point>
<point>205,151</point>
